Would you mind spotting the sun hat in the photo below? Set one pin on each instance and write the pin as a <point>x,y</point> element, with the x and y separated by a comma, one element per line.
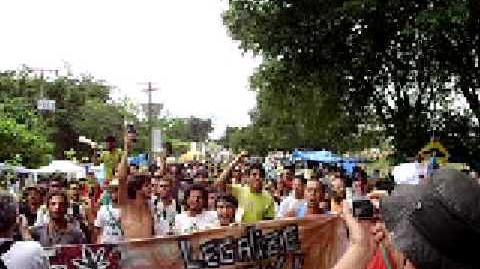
<point>437,224</point>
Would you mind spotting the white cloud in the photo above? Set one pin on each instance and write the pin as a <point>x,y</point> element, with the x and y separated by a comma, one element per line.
<point>180,45</point>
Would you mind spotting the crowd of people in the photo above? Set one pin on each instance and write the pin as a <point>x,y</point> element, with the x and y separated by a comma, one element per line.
<point>181,198</point>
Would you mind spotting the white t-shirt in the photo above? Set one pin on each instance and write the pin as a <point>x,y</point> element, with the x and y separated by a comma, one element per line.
<point>25,255</point>
<point>42,216</point>
<point>290,204</point>
<point>162,216</point>
<point>203,221</point>
<point>109,219</point>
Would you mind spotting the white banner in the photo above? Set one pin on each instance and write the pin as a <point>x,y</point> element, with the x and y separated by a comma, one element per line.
<point>157,141</point>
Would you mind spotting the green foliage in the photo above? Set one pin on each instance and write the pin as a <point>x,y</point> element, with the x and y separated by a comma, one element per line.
<point>180,132</point>
<point>350,73</point>
<point>97,119</point>
<point>83,107</point>
<point>18,141</point>
<point>23,134</point>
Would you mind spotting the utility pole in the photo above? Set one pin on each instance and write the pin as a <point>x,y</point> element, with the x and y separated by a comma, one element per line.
<point>42,72</point>
<point>149,90</point>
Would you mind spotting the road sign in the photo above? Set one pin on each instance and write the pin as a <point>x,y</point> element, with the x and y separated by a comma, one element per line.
<point>157,141</point>
<point>155,108</point>
<point>48,105</point>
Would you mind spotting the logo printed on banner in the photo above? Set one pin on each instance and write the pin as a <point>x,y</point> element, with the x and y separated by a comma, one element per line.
<point>273,248</point>
<point>91,259</point>
<point>102,256</point>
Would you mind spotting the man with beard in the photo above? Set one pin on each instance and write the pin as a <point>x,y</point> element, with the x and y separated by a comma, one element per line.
<point>288,177</point>
<point>236,177</point>
<point>212,199</point>
<point>257,204</point>
<point>32,205</point>
<point>226,208</point>
<point>338,194</point>
<point>108,225</point>
<point>290,206</point>
<point>314,194</point>
<point>58,231</point>
<point>164,207</point>
<point>136,217</point>
<point>77,211</point>
<point>196,218</point>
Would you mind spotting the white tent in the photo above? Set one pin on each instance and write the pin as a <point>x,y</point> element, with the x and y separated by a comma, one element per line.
<point>63,166</point>
<point>408,173</point>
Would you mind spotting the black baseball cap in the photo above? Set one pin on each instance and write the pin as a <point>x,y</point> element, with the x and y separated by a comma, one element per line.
<point>437,224</point>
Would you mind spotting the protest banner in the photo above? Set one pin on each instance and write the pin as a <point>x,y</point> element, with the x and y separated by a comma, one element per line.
<point>311,243</point>
<point>85,256</point>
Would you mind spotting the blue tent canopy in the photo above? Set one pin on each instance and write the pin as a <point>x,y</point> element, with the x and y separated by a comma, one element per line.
<point>140,159</point>
<point>325,156</point>
<point>319,156</point>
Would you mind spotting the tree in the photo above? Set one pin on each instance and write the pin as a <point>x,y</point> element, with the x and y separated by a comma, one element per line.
<point>177,131</point>
<point>198,129</point>
<point>387,64</point>
<point>23,135</point>
<point>83,107</point>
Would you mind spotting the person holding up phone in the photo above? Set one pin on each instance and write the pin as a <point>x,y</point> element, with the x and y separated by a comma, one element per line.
<point>432,226</point>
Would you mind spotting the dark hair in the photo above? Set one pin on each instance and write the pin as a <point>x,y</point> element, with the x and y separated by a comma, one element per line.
<point>73,183</point>
<point>110,138</point>
<point>361,177</point>
<point>32,189</point>
<point>59,179</point>
<point>289,168</point>
<point>302,179</point>
<point>163,178</point>
<point>259,167</point>
<point>8,211</point>
<point>196,187</point>
<point>57,193</point>
<point>228,199</point>
<point>211,190</point>
<point>322,186</point>
<point>202,172</point>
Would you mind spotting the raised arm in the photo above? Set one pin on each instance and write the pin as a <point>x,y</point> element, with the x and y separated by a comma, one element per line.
<point>360,250</point>
<point>228,170</point>
<point>123,169</point>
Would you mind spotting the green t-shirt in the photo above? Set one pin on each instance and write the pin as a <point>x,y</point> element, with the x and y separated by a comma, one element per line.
<point>256,206</point>
<point>111,161</point>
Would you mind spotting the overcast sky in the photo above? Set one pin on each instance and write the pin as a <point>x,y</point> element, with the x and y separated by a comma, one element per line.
<point>180,45</point>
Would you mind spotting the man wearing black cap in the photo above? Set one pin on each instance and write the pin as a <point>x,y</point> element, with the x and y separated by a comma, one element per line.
<point>435,225</point>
